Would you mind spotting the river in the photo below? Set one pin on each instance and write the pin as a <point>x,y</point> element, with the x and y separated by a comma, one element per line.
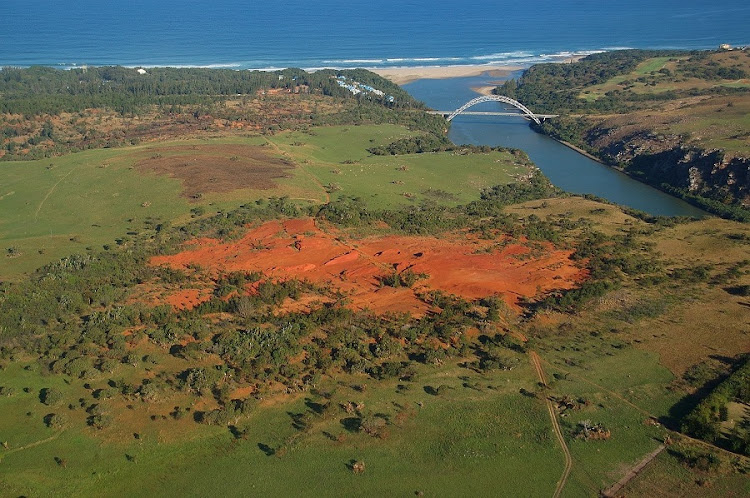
<point>566,168</point>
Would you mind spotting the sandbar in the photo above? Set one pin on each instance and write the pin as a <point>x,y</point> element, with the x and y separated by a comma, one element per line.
<point>403,75</point>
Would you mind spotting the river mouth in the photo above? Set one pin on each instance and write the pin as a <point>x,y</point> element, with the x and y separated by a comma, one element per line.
<point>566,168</point>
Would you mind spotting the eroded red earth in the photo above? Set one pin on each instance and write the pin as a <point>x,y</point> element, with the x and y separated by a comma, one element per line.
<point>457,263</point>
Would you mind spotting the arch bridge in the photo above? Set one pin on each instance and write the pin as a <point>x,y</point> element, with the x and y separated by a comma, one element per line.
<point>537,118</point>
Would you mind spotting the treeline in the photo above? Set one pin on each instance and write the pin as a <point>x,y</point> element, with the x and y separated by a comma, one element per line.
<point>432,142</point>
<point>43,90</point>
<point>373,113</point>
<point>728,210</point>
<point>179,101</point>
<point>705,420</point>
<point>413,145</point>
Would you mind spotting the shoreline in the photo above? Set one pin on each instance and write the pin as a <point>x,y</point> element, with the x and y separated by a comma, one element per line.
<point>404,75</point>
<point>587,154</point>
<point>408,74</point>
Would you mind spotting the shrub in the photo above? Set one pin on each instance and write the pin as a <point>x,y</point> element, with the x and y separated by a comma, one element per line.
<point>55,420</point>
<point>50,396</point>
<point>701,460</point>
<point>406,278</point>
<point>373,425</point>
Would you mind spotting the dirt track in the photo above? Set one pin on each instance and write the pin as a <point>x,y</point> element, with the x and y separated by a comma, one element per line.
<point>555,427</point>
<point>617,487</point>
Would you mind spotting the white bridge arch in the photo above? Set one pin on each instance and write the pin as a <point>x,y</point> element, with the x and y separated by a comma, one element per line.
<point>495,98</point>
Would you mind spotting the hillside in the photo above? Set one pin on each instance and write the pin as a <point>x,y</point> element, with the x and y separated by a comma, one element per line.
<point>676,120</point>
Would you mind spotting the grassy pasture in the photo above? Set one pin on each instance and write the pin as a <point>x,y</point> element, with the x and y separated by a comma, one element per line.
<point>650,68</point>
<point>482,441</point>
<point>337,157</point>
<point>665,476</point>
<point>609,379</point>
<point>54,207</point>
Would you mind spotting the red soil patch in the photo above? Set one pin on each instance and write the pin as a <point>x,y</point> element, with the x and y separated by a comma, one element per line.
<point>456,263</point>
<point>242,392</point>
<point>188,298</point>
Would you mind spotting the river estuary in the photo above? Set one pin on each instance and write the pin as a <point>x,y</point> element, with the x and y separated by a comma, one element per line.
<point>565,167</point>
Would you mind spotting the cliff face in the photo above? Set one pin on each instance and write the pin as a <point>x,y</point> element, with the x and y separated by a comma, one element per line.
<point>658,159</point>
<point>701,172</point>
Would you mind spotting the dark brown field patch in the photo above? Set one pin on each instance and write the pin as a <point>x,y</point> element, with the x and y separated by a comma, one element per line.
<point>216,168</point>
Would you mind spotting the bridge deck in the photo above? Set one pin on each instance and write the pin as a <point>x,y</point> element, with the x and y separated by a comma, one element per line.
<point>488,113</point>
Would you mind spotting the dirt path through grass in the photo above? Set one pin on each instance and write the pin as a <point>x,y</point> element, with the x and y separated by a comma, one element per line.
<point>555,427</point>
<point>612,491</point>
<point>31,445</point>
<point>36,214</point>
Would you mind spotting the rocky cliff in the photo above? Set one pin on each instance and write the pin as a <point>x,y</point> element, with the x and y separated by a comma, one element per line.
<point>658,159</point>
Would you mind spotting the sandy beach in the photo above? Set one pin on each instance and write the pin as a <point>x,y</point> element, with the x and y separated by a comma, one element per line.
<point>403,75</point>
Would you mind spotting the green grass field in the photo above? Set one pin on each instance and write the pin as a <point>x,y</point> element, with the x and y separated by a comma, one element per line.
<point>54,207</point>
<point>337,156</point>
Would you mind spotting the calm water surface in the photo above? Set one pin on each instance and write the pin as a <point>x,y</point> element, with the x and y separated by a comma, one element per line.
<point>566,168</point>
<point>333,33</point>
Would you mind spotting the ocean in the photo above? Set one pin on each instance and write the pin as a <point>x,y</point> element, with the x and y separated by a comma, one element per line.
<point>246,34</point>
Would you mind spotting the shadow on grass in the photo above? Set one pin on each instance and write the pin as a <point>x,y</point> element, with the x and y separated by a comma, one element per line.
<point>266,449</point>
<point>351,424</point>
